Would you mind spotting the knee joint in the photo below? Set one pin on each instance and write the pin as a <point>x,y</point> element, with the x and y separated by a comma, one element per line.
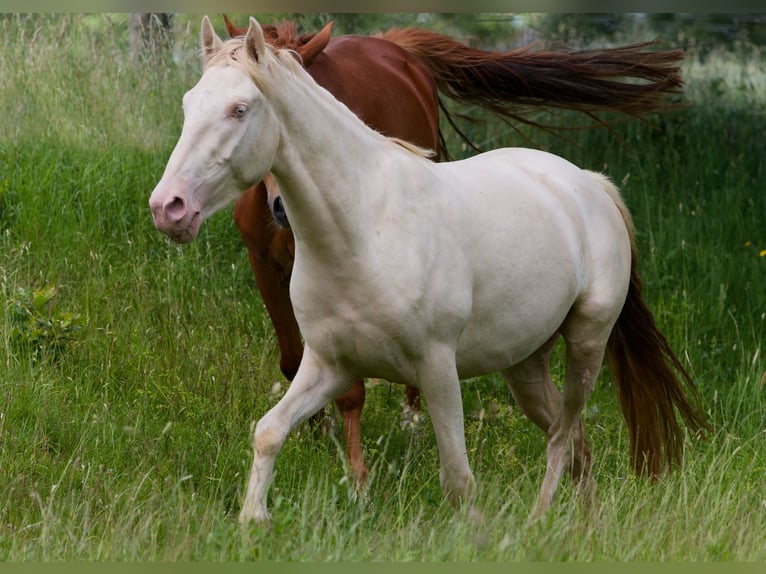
<point>267,440</point>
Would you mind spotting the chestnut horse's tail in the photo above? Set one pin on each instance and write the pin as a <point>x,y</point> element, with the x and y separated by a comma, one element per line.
<point>512,82</point>
<point>652,384</point>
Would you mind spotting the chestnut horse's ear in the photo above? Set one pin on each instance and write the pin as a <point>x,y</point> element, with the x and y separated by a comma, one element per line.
<point>233,30</point>
<point>255,43</point>
<point>314,47</point>
<point>210,40</point>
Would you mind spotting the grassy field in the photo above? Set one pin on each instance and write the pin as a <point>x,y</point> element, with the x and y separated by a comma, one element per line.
<point>133,369</point>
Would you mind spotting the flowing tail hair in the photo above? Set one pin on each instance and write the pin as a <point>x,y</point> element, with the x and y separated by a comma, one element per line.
<point>652,384</point>
<point>513,83</point>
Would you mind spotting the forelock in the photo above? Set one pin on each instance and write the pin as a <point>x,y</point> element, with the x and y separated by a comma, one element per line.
<point>233,52</point>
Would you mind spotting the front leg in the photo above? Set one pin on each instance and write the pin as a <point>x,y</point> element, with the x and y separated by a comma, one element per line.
<point>439,382</point>
<point>314,386</point>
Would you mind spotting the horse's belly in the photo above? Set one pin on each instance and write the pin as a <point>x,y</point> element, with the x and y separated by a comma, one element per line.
<point>527,274</point>
<point>495,340</point>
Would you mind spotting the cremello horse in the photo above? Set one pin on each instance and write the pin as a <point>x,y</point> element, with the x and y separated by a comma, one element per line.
<point>459,269</point>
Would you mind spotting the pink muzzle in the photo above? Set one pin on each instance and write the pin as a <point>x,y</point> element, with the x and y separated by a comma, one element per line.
<point>173,214</point>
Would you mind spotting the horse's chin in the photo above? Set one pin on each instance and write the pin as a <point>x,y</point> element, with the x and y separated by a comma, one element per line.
<point>189,234</point>
<point>182,237</point>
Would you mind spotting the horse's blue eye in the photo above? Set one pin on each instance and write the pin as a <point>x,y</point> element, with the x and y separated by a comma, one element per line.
<point>240,110</point>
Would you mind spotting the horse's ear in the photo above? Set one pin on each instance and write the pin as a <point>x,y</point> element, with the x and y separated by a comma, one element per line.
<point>233,30</point>
<point>311,49</point>
<point>255,43</point>
<point>210,40</point>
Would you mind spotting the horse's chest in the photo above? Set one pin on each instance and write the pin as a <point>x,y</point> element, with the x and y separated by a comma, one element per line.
<point>363,347</point>
<point>365,330</point>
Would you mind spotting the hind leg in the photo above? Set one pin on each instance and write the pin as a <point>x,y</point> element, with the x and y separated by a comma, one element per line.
<point>539,399</point>
<point>586,337</point>
<point>532,388</point>
<point>567,448</point>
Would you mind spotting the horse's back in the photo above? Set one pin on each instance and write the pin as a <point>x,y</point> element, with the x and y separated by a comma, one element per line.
<point>541,203</point>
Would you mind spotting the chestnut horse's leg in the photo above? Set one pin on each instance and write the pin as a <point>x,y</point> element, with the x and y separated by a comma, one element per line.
<point>413,398</point>
<point>269,251</point>
<point>350,407</point>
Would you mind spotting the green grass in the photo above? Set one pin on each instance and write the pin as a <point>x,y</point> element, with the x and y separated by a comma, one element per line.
<point>127,394</point>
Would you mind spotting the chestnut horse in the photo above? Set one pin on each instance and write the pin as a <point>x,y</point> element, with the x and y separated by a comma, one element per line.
<point>460,268</point>
<point>392,82</point>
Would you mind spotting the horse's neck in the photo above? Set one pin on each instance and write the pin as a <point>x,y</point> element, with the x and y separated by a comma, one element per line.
<point>325,167</point>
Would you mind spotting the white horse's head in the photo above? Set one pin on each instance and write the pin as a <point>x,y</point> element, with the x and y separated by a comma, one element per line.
<point>229,138</point>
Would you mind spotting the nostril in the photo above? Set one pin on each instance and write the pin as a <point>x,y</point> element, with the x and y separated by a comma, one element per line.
<point>175,209</point>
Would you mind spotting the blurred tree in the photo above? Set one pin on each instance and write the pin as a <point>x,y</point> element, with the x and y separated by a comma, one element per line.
<point>700,32</point>
<point>151,31</point>
<point>489,31</point>
<point>580,29</point>
<point>500,31</point>
<point>704,32</point>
